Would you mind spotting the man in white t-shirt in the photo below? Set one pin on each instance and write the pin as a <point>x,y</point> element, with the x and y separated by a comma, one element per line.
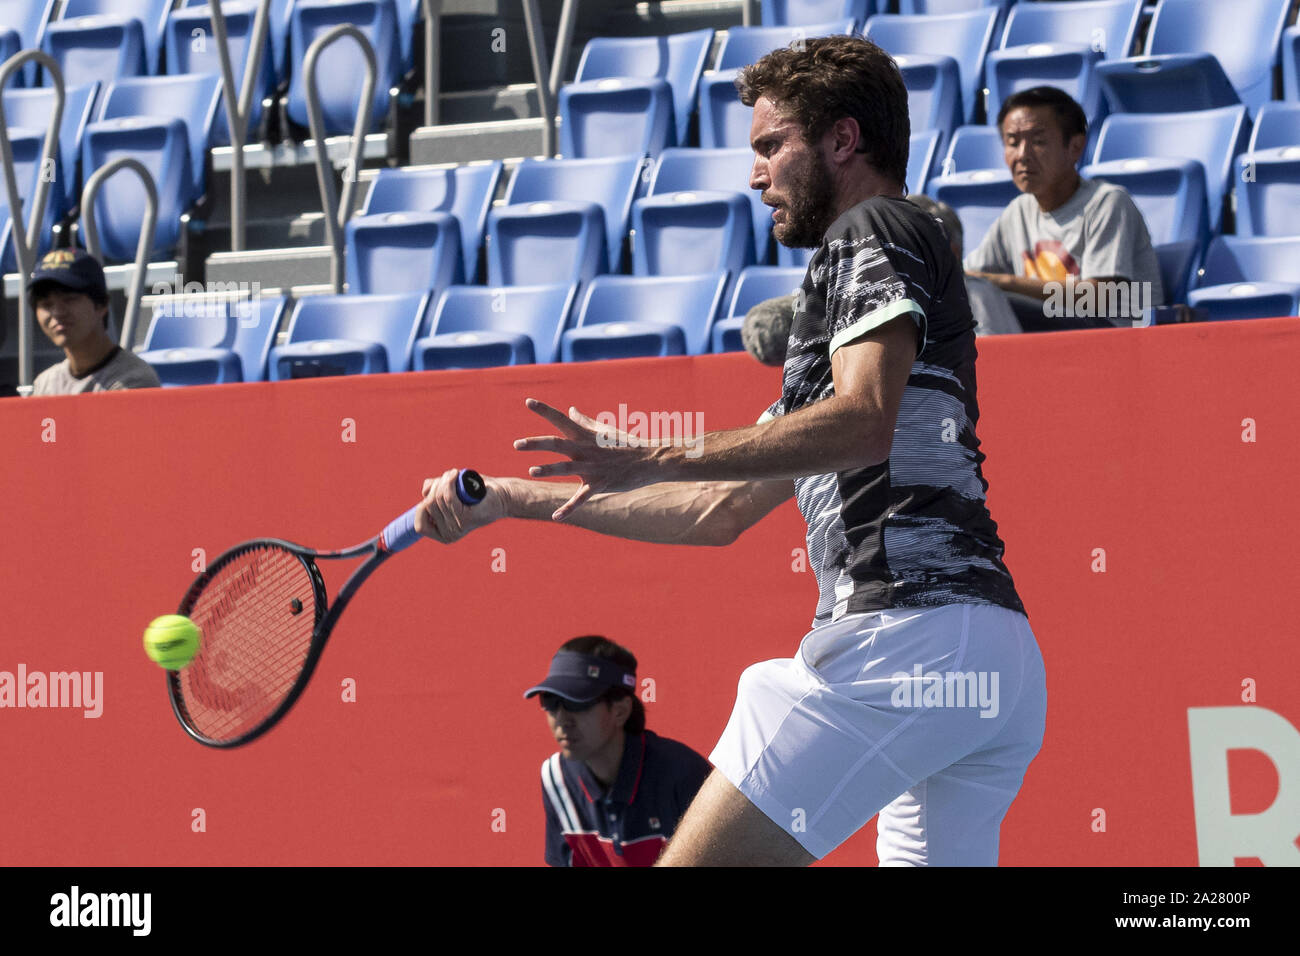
<point>70,297</point>
<point>988,307</point>
<point>1069,252</point>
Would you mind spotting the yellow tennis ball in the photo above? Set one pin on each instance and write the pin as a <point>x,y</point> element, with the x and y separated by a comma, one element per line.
<point>172,641</point>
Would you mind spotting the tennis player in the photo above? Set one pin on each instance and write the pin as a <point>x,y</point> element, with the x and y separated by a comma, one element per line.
<point>919,692</point>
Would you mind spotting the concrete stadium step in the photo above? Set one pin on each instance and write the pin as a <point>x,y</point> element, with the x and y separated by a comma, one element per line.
<point>268,269</point>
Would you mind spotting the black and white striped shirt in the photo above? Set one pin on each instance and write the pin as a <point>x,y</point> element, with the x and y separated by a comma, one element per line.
<point>913,531</point>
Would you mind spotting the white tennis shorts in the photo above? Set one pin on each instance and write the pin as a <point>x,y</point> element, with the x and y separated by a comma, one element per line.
<point>929,716</point>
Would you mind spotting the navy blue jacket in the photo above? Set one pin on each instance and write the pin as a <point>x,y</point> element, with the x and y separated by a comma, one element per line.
<point>630,823</point>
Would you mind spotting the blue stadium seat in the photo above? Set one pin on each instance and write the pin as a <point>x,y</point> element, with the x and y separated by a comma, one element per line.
<point>28,19</point>
<point>933,92</point>
<point>783,13</point>
<point>923,152</point>
<point>724,120</point>
<point>208,341</point>
<point>1059,44</point>
<point>192,48</point>
<point>161,144</point>
<point>1070,67</point>
<point>95,49</point>
<point>756,284</point>
<point>935,7</point>
<point>795,258</point>
<point>277,28</point>
<point>403,252</point>
<point>974,147</point>
<point>33,108</point>
<point>635,62</point>
<point>27,148</point>
<point>615,117</point>
<point>408,13</point>
<point>166,122</point>
<point>1249,278</point>
<point>1212,137</point>
<point>1192,47</point>
<point>349,335</point>
<point>1268,193</point>
<point>193,98</point>
<point>683,232</point>
<point>1268,176</point>
<point>686,170</point>
<point>624,317</point>
<point>341,69</point>
<point>10,43</point>
<point>1178,263</point>
<point>464,191</point>
<point>546,241</point>
<point>745,45</point>
<point>483,326</point>
<point>1165,84</point>
<point>1291,63</point>
<point>1108,26</point>
<point>610,183</point>
<point>107,39</point>
<point>1170,194</point>
<point>1278,124</point>
<point>966,37</point>
<point>978,198</point>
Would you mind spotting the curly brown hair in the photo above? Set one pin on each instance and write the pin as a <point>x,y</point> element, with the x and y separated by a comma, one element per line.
<point>821,80</point>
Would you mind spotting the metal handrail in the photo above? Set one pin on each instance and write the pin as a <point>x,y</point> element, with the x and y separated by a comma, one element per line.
<point>750,16</point>
<point>563,40</point>
<point>337,213</point>
<point>238,110</point>
<point>537,49</point>
<point>142,248</point>
<point>27,240</point>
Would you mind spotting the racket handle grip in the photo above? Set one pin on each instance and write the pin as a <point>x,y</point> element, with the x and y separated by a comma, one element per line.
<point>401,534</point>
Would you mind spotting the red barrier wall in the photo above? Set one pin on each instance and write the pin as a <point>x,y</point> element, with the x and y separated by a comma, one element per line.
<point>1120,446</point>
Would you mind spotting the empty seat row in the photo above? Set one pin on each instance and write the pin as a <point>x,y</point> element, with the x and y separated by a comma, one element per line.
<point>197,340</point>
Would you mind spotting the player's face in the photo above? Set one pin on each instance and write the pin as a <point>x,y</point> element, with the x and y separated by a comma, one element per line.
<point>585,734</point>
<point>68,318</point>
<point>793,176</point>
<point>1037,153</point>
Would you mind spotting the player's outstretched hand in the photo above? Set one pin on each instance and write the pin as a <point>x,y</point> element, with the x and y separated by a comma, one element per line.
<point>446,518</point>
<point>602,457</point>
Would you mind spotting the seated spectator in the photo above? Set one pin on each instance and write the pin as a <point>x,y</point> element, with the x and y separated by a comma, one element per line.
<point>988,306</point>
<point>1070,252</point>
<point>70,297</point>
<point>615,791</point>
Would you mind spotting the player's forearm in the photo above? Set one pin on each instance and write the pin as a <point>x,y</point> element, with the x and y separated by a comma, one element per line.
<point>694,513</point>
<point>1037,288</point>
<point>835,434</point>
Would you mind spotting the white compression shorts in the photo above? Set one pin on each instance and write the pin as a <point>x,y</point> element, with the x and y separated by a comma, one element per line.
<point>929,716</point>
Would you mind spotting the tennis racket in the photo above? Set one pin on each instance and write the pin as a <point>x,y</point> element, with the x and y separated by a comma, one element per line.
<point>265,619</point>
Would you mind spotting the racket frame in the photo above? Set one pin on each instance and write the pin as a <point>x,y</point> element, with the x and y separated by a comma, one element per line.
<point>397,536</point>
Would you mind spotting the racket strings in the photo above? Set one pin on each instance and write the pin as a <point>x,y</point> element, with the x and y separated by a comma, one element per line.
<point>255,644</point>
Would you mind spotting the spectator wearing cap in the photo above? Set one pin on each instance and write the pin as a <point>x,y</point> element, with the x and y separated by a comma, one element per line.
<point>1065,237</point>
<point>614,792</point>
<point>988,306</point>
<point>70,297</point>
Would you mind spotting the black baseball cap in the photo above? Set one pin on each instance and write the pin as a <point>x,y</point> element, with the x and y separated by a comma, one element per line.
<point>74,269</point>
<point>582,678</point>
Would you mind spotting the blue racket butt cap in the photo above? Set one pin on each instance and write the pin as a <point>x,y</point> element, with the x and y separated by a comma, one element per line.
<point>401,534</point>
